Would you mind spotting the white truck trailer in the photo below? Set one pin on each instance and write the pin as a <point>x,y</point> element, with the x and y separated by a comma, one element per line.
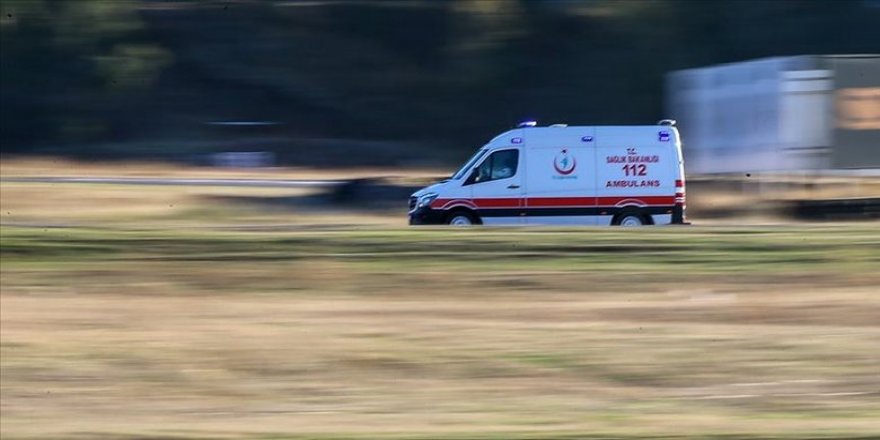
<point>783,114</point>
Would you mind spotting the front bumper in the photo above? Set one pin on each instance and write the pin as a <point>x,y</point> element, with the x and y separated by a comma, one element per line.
<point>427,216</point>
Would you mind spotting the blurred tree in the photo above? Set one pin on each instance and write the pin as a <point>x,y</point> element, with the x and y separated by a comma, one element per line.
<point>439,75</point>
<point>63,63</point>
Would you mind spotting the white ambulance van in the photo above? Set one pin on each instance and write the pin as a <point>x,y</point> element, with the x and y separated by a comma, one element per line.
<point>561,175</point>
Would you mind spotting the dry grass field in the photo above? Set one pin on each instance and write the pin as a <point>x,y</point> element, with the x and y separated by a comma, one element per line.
<point>184,313</point>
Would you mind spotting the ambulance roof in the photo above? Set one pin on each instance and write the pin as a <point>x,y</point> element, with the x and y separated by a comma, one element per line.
<point>598,136</point>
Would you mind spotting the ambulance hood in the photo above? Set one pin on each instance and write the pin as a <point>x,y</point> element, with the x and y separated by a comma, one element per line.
<point>437,187</point>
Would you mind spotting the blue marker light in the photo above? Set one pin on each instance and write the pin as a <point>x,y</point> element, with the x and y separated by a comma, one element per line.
<point>587,139</point>
<point>527,124</point>
<point>663,136</point>
<point>516,140</point>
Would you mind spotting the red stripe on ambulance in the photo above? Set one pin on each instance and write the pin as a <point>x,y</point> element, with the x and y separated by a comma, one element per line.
<point>555,202</point>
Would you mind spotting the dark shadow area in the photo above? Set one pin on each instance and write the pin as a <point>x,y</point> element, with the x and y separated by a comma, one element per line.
<point>373,194</point>
<point>836,209</point>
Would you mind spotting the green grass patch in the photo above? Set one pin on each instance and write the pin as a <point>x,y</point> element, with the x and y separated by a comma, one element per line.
<point>681,250</point>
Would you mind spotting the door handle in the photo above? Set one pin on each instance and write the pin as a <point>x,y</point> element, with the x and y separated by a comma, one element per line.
<point>512,186</point>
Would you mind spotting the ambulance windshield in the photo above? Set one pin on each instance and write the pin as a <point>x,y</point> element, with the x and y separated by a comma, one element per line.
<point>467,166</point>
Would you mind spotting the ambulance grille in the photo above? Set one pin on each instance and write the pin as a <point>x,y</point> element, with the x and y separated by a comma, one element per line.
<point>412,202</point>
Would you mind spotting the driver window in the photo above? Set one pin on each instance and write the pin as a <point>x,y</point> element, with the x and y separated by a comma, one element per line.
<point>499,165</point>
<point>484,171</point>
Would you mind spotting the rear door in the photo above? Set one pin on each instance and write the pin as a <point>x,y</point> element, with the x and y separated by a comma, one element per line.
<point>497,187</point>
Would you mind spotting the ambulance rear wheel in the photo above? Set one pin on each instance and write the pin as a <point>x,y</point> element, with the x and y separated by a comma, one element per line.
<point>461,218</point>
<point>630,220</point>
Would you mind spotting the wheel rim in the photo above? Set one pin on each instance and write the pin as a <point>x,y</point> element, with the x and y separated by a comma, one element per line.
<point>460,220</point>
<point>631,220</point>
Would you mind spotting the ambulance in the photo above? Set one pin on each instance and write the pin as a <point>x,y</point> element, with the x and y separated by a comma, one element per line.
<point>564,175</point>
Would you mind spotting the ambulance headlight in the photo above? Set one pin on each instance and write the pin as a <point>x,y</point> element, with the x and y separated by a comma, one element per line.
<point>426,199</point>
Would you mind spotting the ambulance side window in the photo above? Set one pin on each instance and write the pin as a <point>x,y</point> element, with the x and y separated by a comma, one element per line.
<point>499,165</point>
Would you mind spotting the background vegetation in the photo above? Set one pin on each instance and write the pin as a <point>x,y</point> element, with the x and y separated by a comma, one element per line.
<point>352,82</point>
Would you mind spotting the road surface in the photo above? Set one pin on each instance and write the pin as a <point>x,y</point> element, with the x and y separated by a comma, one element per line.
<point>258,183</point>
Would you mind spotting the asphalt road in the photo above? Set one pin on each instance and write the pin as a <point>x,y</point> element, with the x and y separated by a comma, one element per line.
<point>258,183</point>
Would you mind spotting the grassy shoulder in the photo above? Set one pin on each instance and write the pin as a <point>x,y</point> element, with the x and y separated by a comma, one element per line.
<point>440,333</point>
<point>675,251</point>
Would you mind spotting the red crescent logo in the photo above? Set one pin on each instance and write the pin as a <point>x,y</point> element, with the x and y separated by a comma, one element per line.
<point>562,171</point>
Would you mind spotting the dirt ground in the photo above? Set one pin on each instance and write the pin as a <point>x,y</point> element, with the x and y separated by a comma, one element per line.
<point>132,367</point>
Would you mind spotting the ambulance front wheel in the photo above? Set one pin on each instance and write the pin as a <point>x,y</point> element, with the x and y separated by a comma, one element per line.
<point>461,218</point>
